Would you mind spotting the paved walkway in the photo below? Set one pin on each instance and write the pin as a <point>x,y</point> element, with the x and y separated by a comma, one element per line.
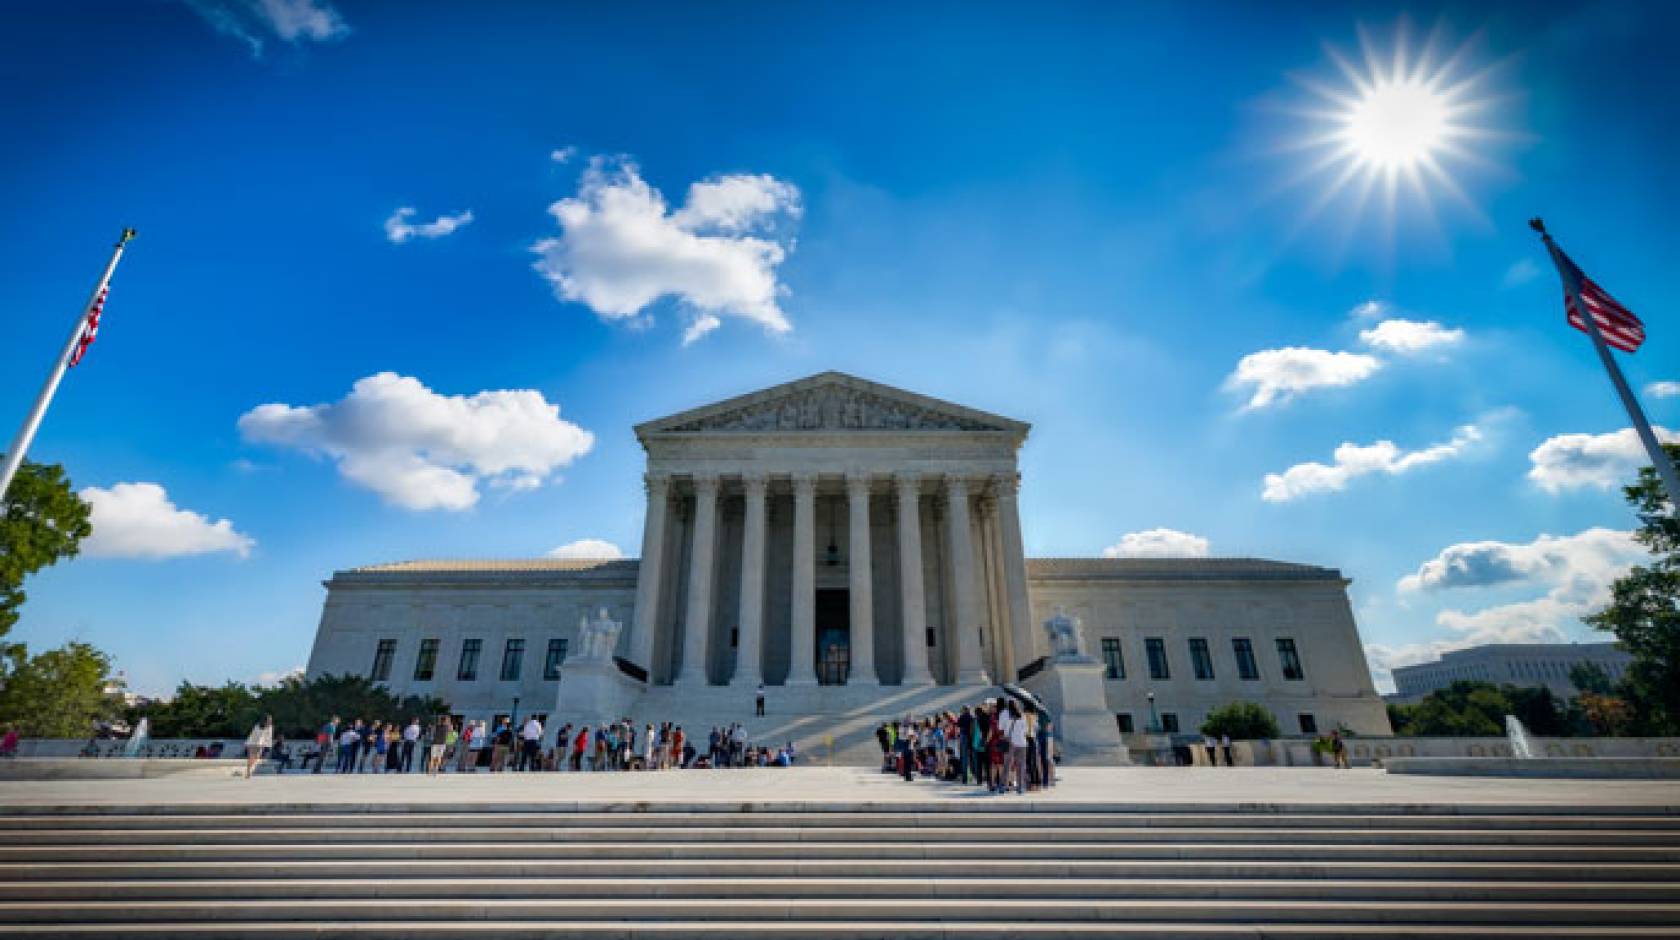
<point>836,787</point>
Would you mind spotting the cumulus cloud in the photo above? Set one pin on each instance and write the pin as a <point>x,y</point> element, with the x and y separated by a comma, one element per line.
<point>1519,273</point>
<point>1369,310</point>
<point>254,22</point>
<point>1601,461</point>
<point>587,548</point>
<point>421,450</point>
<point>562,154</point>
<point>1409,337</point>
<point>138,520</point>
<point>1357,460</point>
<point>1663,389</point>
<point>1158,543</point>
<point>1275,376</point>
<point>1575,571</point>
<point>621,248</point>
<point>399,229</point>
<point>277,676</point>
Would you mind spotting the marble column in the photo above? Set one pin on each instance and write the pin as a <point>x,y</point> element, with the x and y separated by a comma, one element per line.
<point>750,622</point>
<point>861,571</point>
<point>1014,564</point>
<point>802,662</point>
<point>965,577</point>
<point>912,596</point>
<point>650,573</point>
<point>697,623</point>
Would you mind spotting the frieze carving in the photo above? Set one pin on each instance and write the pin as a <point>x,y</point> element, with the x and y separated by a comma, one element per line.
<point>834,407</point>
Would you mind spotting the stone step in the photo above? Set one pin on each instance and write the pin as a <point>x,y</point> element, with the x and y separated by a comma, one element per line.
<point>627,913</point>
<point>829,930</point>
<point>1021,869</point>
<point>669,821</point>
<point>801,888</point>
<point>836,835</point>
<point>800,851</point>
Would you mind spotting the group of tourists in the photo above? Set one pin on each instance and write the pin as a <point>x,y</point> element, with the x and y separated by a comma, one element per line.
<point>1001,745</point>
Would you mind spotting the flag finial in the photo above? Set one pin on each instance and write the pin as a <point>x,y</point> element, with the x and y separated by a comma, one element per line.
<point>1539,225</point>
<point>127,233</point>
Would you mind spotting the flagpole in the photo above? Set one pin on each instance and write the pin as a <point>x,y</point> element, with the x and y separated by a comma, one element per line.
<point>26,434</point>
<point>1659,457</point>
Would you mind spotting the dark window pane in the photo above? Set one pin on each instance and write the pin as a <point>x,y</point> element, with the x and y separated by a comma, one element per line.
<point>1290,660</point>
<point>1201,659</point>
<point>1113,662</point>
<point>468,670</point>
<point>1309,724</point>
<point>1247,667</point>
<point>511,656</point>
<point>1157,650</point>
<point>426,664</point>
<point>1169,722</point>
<point>1124,720</point>
<point>382,656</point>
<point>556,656</point>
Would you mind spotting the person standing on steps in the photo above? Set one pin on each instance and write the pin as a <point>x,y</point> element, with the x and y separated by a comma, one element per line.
<point>1210,745</point>
<point>257,743</point>
<point>758,697</point>
<point>410,740</point>
<point>1225,746</point>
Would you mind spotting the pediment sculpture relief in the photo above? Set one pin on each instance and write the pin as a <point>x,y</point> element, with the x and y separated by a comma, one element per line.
<point>834,408</point>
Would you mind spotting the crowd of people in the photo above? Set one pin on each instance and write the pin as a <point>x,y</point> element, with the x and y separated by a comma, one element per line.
<point>1001,745</point>
<point>439,746</point>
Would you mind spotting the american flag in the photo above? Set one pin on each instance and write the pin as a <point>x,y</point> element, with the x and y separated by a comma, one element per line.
<point>1616,323</point>
<point>92,328</point>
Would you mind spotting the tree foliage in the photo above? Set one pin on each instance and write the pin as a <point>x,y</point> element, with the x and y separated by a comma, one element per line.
<point>298,707</point>
<point>1478,709</point>
<point>1644,611</point>
<point>59,693</point>
<point>1591,677</point>
<point>1243,721</point>
<point>43,520</point>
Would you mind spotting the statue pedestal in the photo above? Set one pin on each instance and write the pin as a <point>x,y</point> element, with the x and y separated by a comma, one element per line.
<point>1073,688</point>
<point>594,692</point>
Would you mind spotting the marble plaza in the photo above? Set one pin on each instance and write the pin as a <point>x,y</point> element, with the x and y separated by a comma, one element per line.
<point>857,550</point>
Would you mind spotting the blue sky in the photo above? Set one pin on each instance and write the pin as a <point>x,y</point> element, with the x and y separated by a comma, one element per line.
<point>1084,217</point>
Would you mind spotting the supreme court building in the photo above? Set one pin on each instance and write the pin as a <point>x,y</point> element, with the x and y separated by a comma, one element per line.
<point>857,550</point>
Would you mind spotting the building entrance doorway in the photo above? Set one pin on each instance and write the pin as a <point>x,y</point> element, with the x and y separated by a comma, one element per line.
<point>834,637</point>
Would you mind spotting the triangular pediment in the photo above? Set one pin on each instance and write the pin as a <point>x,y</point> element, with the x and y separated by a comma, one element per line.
<point>830,401</point>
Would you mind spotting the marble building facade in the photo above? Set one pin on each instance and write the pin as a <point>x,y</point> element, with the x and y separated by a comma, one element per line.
<point>858,550</point>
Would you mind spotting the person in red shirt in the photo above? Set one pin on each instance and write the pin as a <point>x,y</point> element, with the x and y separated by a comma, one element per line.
<point>677,747</point>
<point>579,744</point>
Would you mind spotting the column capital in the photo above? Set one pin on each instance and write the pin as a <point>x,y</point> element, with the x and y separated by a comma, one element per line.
<point>907,482</point>
<point>956,487</point>
<point>656,483</point>
<point>1006,484</point>
<point>706,483</point>
<point>756,483</point>
<point>857,482</point>
<point>805,484</point>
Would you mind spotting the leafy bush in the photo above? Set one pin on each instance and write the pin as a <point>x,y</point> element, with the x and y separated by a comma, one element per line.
<point>1243,721</point>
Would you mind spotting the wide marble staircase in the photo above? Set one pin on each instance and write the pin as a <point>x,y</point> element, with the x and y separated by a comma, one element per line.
<point>945,868</point>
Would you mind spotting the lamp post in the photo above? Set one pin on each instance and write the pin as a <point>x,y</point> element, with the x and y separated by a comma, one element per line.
<point>1154,719</point>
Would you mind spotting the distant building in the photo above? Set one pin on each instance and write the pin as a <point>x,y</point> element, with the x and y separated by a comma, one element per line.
<point>1521,664</point>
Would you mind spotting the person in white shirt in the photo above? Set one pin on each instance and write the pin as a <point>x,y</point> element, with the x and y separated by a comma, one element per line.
<point>530,745</point>
<point>1015,726</point>
<point>257,743</point>
<point>1208,744</point>
<point>410,738</point>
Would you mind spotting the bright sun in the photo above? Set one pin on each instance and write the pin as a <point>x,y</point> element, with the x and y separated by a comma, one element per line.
<point>1399,123</point>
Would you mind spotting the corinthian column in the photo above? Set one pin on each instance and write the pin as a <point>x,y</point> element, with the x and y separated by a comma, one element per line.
<point>909,488</point>
<point>697,624</point>
<point>751,618</point>
<point>966,614</point>
<point>650,573</point>
<point>1014,565</point>
<point>861,571</point>
<point>802,669</point>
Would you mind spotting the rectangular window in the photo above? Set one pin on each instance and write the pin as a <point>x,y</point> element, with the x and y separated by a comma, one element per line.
<point>1157,650</point>
<point>1124,720</point>
<point>382,657</point>
<point>1200,659</point>
<point>511,655</point>
<point>930,638</point>
<point>1309,724</point>
<point>1169,722</point>
<point>468,670</point>
<point>1290,659</point>
<point>556,656</point>
<point>1247,668</point>
<point>426,664</point>
<point>1114,663</point>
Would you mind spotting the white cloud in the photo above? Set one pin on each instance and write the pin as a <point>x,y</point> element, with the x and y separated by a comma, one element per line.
<point>399,229</point>
<point>1572,461</point>
<point>562,154</point>
<point>1276,376</point>
<point>138,520</point>
<point>1576,572</point>
<point>1519,273</point>
<point>620,247</point>
<point>1369,310</point>
<point>587,548</point>
<point>276,676</point>
<point>422,450</point>
<point>1357,460</point>
<point>253,22</point>
<point>1409,337</point>
<point>1158,543</point>
<point>1663,389</point>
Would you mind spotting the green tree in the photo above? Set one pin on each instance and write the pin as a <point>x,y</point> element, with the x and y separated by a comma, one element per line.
<point>42,521</point>
<point>298,707</point>
<point>1644,611</point>
<point>202,711</point>
<point>1243,721</point>
<point>59,693</point>
<point>1591,677</point>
